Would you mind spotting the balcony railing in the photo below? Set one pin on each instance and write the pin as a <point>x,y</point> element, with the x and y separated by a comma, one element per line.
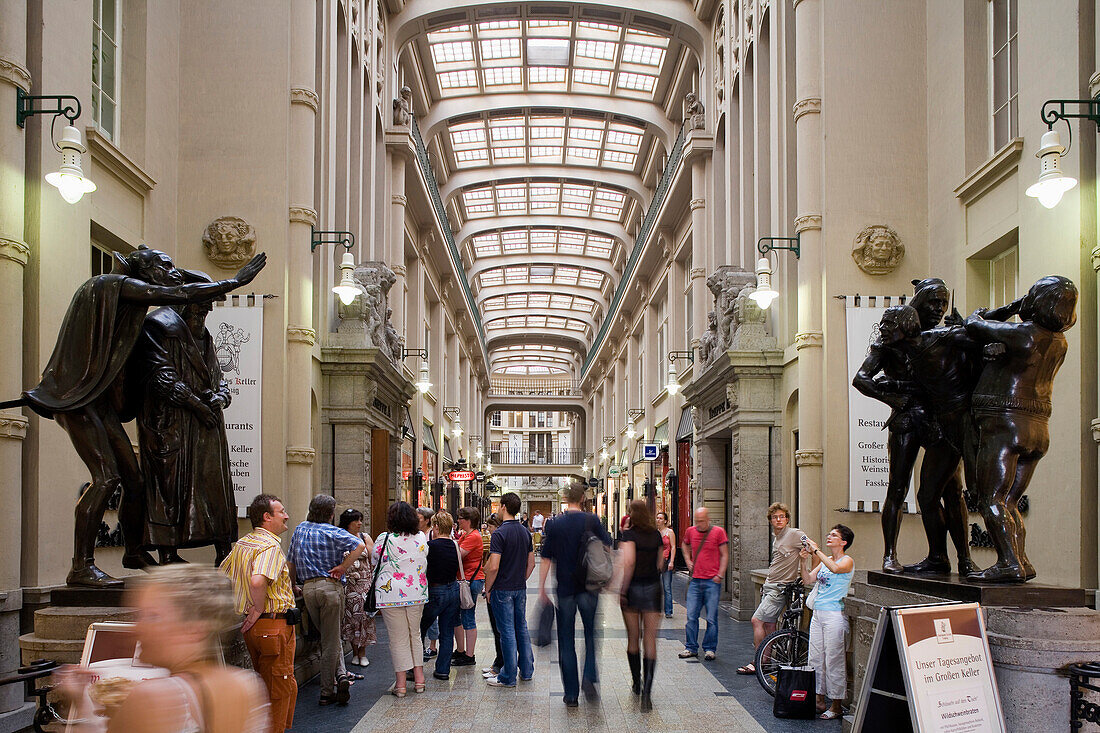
<point>533,387</point>
<point>640,242</point>
<point>537,457</point>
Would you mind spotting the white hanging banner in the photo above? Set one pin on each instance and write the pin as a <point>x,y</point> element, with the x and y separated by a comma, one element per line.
<point>868,458</point>
<point>237,328</point>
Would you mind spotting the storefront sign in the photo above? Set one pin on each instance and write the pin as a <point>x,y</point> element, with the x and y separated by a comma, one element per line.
<point>868,459</point>
<point>461,476</point>
<point>594,483</point>
<point>941,677</point>
<point>650,451</point>
<point>237,328</point>
<point>480,476</point>
<point>614,471</point>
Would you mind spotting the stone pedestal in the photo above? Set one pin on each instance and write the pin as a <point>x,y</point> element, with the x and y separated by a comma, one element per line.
<point>1031,640</point>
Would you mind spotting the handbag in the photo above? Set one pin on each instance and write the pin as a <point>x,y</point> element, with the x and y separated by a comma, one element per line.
<point>811,599</point>
<point>794,693</point>
<point>544,633</point>
<point>465,596</point>
<point>370,600</point>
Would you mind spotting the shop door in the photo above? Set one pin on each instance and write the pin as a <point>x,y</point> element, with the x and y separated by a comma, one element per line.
<point>380,471</point>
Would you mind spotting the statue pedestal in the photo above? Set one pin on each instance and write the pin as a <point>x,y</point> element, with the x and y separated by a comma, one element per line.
<point>1034,632</point>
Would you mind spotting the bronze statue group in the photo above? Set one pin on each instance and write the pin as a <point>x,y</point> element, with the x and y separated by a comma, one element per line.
<point>975,393</point>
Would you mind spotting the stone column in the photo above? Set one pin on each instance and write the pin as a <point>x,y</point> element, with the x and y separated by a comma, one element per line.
<point>395,250</point>
<point>702,254</point>
<point>809,339</point>
<point>300,334</point>
<point>13,426</point>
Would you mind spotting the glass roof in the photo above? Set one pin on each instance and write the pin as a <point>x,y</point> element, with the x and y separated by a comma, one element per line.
<point>549,241</point>
<point>550,273</point>
<point>546,55</point>
<point>538,139</point>
<point>531,370</point>
<point>554,198</point>
<point>562,322</point>
<point>554,301</point>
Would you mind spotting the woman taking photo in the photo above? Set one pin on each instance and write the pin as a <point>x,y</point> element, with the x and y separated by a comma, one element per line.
<point>443,572</point>
<point>182,611</point>
<point>832,571</point>
<point>642,559</point>
<point>668,539</point>
<point>356,626</point>
<point>470,545</point>
<point>401,554</point>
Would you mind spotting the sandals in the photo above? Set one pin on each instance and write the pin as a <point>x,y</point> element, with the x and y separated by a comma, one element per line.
<point>829,714</point>
<point>355,677</point>
<point>397,691</point>
<point>419,687</point>
<point>749,668</point>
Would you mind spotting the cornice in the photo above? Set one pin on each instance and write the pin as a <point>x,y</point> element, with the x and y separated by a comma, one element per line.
<point>305,97</point>
<point>15,74</point>
<point>13,427</point>
<point>807,106</point>
<point>301,334</point>
<point>300,455</point>
<point>14,250</point>
<point>303,215</point>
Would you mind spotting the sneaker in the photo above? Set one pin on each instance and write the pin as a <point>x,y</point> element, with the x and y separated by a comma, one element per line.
<point>343,690</point>
<point>571,702</point>
<point>494,681</point>
<point>710,656</point>
<point>487,670</point>
<point>687,654</point>
<point>591,694</point>
<point>462,660</point>
<point>439,676</point>
<point>429,653</point>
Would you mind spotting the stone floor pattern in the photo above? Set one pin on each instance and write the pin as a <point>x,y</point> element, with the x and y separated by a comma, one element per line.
<point>689,695</point>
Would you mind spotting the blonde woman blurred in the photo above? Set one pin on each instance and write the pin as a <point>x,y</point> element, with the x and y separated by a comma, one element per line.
<point>181,613</point>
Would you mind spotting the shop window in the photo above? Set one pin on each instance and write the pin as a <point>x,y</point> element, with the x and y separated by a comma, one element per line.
<point>496,421</point>
<point>102,260</point>
<point>106,29</point>
<point>1004,53</point>
<point>1004,272</point>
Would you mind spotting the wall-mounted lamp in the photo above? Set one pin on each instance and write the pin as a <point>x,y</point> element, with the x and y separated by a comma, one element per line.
<point>456,422</point>
<point>631,415</point>
<point>1053,183</point>
<point>765,293</point>
<point>346,289</point>
<point>69,178</point>
<point>479,453</point>
<point>673,383</point>
<point>423,382</point>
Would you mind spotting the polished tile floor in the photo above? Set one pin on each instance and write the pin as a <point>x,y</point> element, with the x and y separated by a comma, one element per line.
<point>689,695</point>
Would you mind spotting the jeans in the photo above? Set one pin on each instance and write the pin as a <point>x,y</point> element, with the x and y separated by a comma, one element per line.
<point>442,606</point>
<point>324,598</point>
<point>498,660</point>
<point>467,614</point>
<point>568,606</point>
<point>433,632</point>
<point>510,610</point>
<point>702,595</point>
<point>666,583</point>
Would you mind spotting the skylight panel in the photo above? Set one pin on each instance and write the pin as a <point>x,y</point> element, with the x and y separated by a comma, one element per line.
<point>590,154</point>
<point>451,32</point>
<point>593,77</point>
<point>511,191</point>
<point>585,135</point>
<point>548,51</point>
<point>542,273</point>
<point>545,74</point>
<point>546,151</point>
<point>452,51</point>
<point>515,274</point>
<point>618,136</point>
<point>500,75</point>
<point>507,131</point>
<point>480,155</point>
<point>509,152</point>
<point>618,156</point>
<point>547,128</point>
<point>516,301</point>
<point>477,195</point>
<point>575,325</point>
<point>591,278</point>
<point>464,79</point>
<point>500,48</point>
<point>573,248</point>
<point>603,194</point>
<point>539,300</point>
<point>637,82</point>
<point>566,276</point>
<point>599,246</point>
<point>494,304</point>
<point>513,247</point>
<point>479,211</point>
<point>634,53</point>
<point>564,24</point>
<point>491,277</point>
<point>468,135</point>
<point>564,302</point>
<point>515,322</point>
<point>604,50</point>
<point>555,321</point>
<point>498,25</point>
<point>576,192</point>
<point>536,321</point>
<point>599,27</point>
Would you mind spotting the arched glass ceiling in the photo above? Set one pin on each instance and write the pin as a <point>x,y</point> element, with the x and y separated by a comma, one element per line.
<point>556,301</point>
<point>542,241</point>
<point>540,321</point>
<point>546,55</point>
<point>555,198</point>
<point>533,274</point>
<point>532,371</point>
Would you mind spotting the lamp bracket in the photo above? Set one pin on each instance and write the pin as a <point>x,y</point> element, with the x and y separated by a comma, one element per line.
<point>764,244</point>
<point>25,107</point>
<point>451,412</point>
<point>1055,109</point>
<point>675,356</point>
<point>635,412</point>
<point>406,353</point>
<point>609,439</point>
<point>317,238</point>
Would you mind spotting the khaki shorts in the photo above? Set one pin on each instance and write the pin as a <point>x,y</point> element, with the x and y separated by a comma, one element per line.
<point>771,603</point>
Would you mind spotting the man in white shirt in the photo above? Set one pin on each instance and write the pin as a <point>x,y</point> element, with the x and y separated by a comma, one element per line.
<point>537,521</point>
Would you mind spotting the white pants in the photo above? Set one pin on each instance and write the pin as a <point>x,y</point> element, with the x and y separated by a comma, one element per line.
<point>827,630</point>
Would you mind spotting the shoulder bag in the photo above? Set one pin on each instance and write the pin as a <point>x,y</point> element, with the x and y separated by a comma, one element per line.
<point>465,597</point>
<point>597,560</point>
<point>370,601</point>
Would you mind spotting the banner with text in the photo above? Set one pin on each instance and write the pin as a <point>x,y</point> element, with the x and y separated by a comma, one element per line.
<point>237,328</point>
<point>868,459</point>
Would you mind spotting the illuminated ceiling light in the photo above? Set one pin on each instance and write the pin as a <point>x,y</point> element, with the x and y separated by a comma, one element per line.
<point>347,290</point>
<point>1052,183</point>
<point>764,293</point>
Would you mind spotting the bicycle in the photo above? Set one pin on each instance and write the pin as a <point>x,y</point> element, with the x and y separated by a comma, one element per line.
<point>787,646</point>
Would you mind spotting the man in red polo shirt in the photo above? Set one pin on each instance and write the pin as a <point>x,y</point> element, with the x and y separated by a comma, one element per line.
<point>706,550</point>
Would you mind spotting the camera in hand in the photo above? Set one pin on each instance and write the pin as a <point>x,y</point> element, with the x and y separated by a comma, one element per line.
<point>805,541</point>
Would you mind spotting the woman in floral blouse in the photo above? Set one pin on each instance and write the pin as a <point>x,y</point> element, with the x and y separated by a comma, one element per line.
<point>401,554</point>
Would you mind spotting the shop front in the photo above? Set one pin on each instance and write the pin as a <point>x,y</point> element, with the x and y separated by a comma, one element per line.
<point>429,461</point>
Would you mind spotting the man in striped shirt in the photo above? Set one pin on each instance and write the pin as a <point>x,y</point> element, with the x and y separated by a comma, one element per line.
<point>263,592</point>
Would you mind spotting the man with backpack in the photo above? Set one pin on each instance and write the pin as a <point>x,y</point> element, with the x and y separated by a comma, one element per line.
<point>577,547</point>
<point>706,550</point>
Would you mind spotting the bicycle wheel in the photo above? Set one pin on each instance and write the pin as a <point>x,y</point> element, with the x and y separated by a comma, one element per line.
<point>783,648</point>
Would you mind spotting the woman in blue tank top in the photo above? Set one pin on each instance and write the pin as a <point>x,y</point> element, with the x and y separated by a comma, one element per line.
<point>832,571</point>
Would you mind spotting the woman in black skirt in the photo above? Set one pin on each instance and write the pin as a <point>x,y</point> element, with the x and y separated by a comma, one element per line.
<point>641,596</point>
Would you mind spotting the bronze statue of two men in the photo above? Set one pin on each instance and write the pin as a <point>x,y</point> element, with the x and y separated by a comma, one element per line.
<point>975,393</point>
<point>113,362</point>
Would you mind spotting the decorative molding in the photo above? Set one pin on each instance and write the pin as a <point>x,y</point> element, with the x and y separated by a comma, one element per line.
<point>307,97</point>
<point>301,335</point>
<point>13,427</point>
<point>807,339</point>
<point>807,106</point>
<point>399,199</point>
<point>229,242</point>
<point>697,272</point>
<point>1094,84</point>
<point>878,250</point>
<point>303,215</point>
<point>809,457</point>
<point>1002,163</point>
<point>1096,430</point>
<point>697,204</point>
<point>1095,258</point>
<point>399,270</point>
<point>14,250</point>
<point>105,153</point>
<point>300,455</point>
<point>733,394</point>
<point>806,222</point>
<point>15,74</point>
